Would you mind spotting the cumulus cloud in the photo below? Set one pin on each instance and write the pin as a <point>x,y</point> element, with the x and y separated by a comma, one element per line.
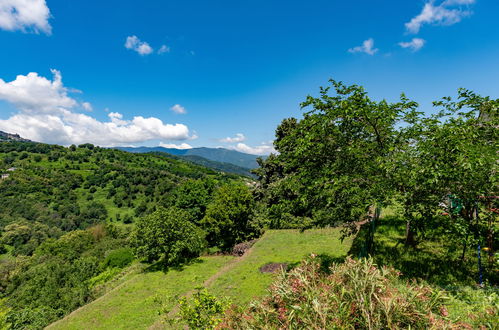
<point>448,12</point>
<point>135,44</point>
<point>238,138</point>
<point>164,49</point>
<point>35,93</point>
<point>415,44</point>
<point>177,108</point>
<point>46,114</point>
<point>263,149</point>
<point>175,146</point>
<point>25,16</point>
<point>367,47</point>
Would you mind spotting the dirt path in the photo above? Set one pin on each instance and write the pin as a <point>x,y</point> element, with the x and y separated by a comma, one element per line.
<point>160,325</point>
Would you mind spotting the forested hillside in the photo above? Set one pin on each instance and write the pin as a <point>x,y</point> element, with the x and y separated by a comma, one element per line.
<point>66,216</point>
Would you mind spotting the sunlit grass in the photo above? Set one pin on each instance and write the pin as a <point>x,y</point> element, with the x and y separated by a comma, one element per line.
<point>137,302</point>
<point>245,281</point>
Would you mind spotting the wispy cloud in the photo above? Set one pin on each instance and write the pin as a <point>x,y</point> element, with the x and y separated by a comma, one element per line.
<point>414,45</point>
<point>164,49</point>
<point>135,44</point>
<point>178,109</point>
<point>367,47</point>
<point>25,16</point>
<point>448,12</point>
<point>87,106</point>
<point>238,138</point>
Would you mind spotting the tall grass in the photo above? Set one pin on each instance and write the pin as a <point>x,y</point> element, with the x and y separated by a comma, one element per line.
<point>355,294</point>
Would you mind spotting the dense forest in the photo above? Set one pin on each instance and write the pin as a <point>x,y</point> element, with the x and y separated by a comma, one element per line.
<point>73,218</point>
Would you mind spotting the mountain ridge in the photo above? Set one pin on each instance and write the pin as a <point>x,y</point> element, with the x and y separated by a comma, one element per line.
<point>221,155</point>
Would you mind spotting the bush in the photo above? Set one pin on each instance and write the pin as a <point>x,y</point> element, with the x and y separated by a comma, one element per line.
<point>168,235</point>
<point>118,258</point>
<point>103,277</point>
<point>357,294</point>
<point>32,318</point>
<point>202,310</point>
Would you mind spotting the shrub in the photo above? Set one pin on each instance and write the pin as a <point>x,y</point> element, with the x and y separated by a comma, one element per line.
<point>103,277</point>
<point>356,294</point>
<point>118,258</point>
<point>169,235</point>
<point>202,310</point>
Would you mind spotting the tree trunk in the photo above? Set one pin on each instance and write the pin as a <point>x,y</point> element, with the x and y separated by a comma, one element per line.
<point>409,234</point>
<point>464,248</point>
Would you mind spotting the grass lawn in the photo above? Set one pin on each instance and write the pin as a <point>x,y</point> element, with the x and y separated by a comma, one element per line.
<point>244,281</point>
<point>135,304</point>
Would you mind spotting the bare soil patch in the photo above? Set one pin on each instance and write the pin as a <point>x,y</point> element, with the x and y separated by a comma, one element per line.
<point>273,267</point>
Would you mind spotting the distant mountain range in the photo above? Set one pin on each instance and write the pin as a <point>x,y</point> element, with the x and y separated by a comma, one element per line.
<point>220,155</point>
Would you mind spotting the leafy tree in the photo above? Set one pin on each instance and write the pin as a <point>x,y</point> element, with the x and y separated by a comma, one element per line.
<point>194,196</point>
<point>228,216</point>
<point>168,235</point>
<point>331,165</point>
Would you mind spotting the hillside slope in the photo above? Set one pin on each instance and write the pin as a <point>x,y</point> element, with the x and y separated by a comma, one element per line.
<point>135,304</point>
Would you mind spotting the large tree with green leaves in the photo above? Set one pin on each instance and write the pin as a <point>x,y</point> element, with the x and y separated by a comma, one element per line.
<point>168,235</point>
<point>331,165</point>
<point>228,216</point>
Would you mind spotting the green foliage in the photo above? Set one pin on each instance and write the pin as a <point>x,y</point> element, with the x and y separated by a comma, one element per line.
<point>356,294</point>
<point>228,216</point>
<point>193,196</point>
<point>168,235</point>
<point>70,246</point>
<point>4,311</point>
<point>118,258</point>
<point>202,310</point>
<point>25,237</point>
<point>103,277</point>
<point>32,318</point>
<point>331,164</point>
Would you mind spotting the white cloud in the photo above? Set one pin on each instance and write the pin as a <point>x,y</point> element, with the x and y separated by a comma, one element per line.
<point>367,47</point>
<point>263,149</point>
<point>35,93</point>
<point>164,49</point>
<point>449,12</point>
<point>87,106</point>
<point>175,146</point>
<point>415,44</point>
<point>25,15</point>
<point>135,44</point>
<point>177,108</point>
<point>238,138</point>
<point>46,115</point>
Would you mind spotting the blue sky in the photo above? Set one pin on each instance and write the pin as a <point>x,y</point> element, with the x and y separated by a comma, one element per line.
<point>100,73</point>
